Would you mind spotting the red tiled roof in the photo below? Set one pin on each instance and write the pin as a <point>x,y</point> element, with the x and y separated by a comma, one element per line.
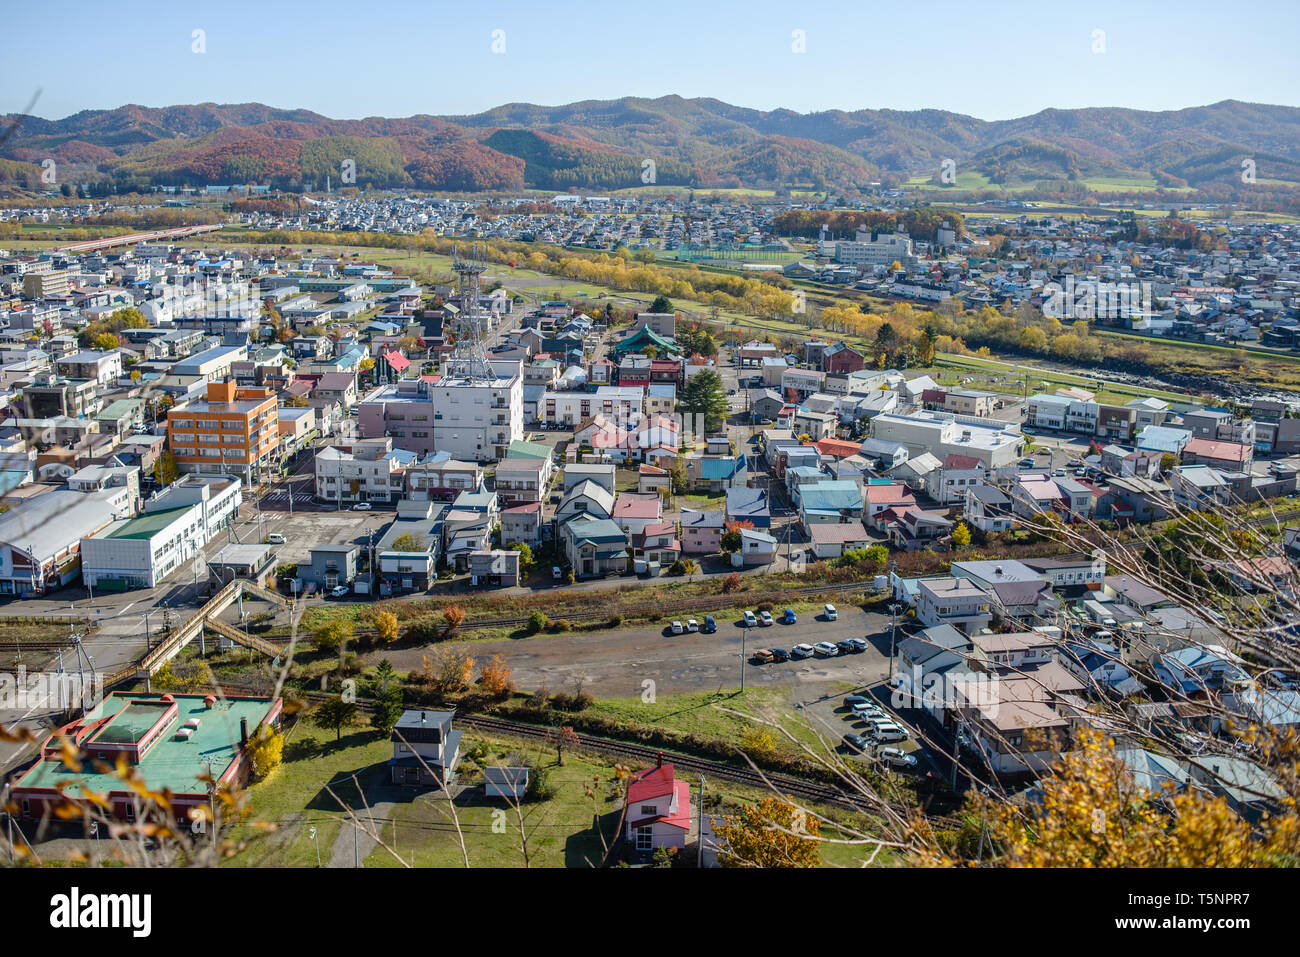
<point>957,461</point>
<point>398,361</point>
<point>892,494</point>
<point>838,448</point>
<point>1225,451</point>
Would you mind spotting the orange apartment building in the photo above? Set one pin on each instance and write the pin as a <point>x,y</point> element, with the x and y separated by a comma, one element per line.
<point>235,432</point>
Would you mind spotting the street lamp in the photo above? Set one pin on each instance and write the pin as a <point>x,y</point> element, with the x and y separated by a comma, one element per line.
<point>744,637</point>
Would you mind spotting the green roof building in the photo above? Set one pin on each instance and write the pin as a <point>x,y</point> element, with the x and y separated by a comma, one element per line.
<point>168,739</point>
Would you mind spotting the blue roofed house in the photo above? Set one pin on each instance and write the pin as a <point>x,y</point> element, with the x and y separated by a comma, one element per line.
<point>595,547</point>
<point>1199,669</point>
<point>749,505</point>
<point>833,502</point>
<point>16,468</point>
<point>716,473</point>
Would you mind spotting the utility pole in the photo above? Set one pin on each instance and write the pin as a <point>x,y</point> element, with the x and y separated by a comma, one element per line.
<point>893,637</point>
<point>699,828</point>
<point>744,636</point>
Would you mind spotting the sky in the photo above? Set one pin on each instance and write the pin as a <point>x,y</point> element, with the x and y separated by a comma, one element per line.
<point>346,59</point>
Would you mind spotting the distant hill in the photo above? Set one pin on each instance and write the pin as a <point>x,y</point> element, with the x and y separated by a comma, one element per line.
<point>604,145</point>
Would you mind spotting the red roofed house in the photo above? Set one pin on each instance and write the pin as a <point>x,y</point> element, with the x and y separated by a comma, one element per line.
<point>895,495</point>
<point>837,448</point>
<point>658,811</point>
<point>396,364</point>
<point>658,543</point>
<point>633,512</point>
<point>650,479</point>
<point>1231,456</point>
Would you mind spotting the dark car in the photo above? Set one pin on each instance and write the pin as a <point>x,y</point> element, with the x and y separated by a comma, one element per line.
<point>854,699</point>
<point>845,647</point>
<point>857,645</point>
<point>779,654</point>
<point>855,742</point>
<point>710,626</point>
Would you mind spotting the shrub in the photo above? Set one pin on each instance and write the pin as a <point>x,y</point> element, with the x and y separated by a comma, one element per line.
<point>731,583</point>
<point>265,751</point>
<point>536,622</point>
<point>453,616</point>
<point>559,625</point>
<point>385,627</point>
<point>580,701</point>
<point>765,606</point>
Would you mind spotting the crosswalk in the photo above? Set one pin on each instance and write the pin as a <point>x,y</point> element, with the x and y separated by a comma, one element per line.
<point>279,499</point>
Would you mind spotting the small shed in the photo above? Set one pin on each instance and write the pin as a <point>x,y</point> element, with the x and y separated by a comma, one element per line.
<point>511,783</point>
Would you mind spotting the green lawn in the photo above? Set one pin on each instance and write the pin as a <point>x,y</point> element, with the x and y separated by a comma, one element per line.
<point>294,798</point>
<point>559,830</point>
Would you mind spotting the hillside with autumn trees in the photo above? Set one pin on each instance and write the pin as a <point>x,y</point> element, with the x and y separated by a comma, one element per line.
<point>604,145</point>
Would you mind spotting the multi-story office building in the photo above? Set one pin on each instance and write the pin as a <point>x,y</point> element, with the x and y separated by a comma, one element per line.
<point>234,432</point>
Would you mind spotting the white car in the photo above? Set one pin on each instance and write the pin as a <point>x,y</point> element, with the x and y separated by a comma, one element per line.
<point>750,620</point>
<point>677,628</point>
<point>275,538</point>
<point>897,757</point>
<point>361,507</point>
<point>831,614</point>
<point>826,648</point>
<point>802,651</point>
<point>338,591</point>
<point>765,618</point>
<point>692,625</point>
<point>869,709</point>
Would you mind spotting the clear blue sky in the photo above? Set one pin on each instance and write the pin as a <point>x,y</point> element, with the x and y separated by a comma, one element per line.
<point>995,59</point>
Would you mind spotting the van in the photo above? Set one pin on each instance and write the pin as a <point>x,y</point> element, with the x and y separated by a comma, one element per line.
<point>884,732</point>
<point>556,573</point>
<point>275,538</point>
<point>831,614</point>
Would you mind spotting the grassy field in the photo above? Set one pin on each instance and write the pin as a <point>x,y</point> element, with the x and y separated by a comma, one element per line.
<point>1040,379</point>
<point>419,827</point>
<point>294,798</point>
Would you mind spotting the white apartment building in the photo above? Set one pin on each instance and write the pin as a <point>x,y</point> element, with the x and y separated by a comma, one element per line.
<point>992,442</point>
<point>475,419</point>
<point>883,250</point>
<point>376,473</point>
<point>571,408</point>
<point>218,495</point>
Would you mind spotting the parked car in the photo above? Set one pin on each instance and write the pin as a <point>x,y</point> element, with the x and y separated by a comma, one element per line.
<point>831,613</point>
<point>802,651</point>
<point>853,700</point>
<point>765,618</point>
<point>275,538</point>
<point>1026,463</point>
<point>762,656</point>
<point>897,757</point>
<point>858,645</point>
<point>750,620</point>
<point>692,625</point>
<point>361,507</point>
<point>869,710</point>
<point>710,626</point>
<point>677,628</point>
<point>826,648</point>
<point>1058,473</point>
<point>855,742</point>
<point>883,732</point>
<point>788,618</point>
<point>780,654</point>
<point>845,647</point>
<point>338,591</point>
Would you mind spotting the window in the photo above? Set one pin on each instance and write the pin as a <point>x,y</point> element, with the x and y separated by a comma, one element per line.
<point>648,809</point>
<point>644,840</point>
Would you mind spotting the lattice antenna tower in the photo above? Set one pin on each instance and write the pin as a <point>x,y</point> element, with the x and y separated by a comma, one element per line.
<point>470,359</point>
